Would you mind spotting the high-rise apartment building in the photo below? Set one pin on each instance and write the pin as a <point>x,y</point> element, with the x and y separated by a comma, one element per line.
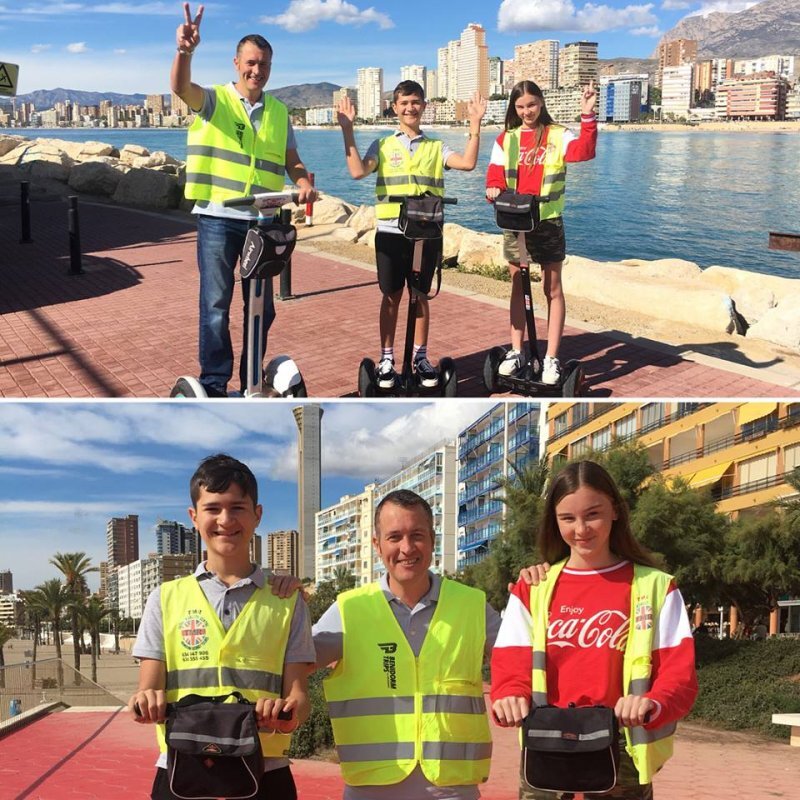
<point>783,66</point>
<point>308,418</point>
<point>154,103</point>
<point>6,582</point>
<point>431,84</point>
<point>122,540</point>
<point>496,76</point>
<point>283,552</point>
<point>179,107</point>
<point>761,96</point>
<point>256,550</point>
<point>537,62</point>
<point>564,104</point>
<point>619,99</point>
<point>370,93</point>
<point>675,54</point>
<point>577,64</point>
<point>676,90</point>
<point>504,438</point>
<point>136,580</point>
<point>173,538</point>
<point>343,92</point>
<point>473,63</point>
<point>414,72</point>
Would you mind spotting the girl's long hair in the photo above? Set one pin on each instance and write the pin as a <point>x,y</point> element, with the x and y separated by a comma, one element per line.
<point>513,119</point>
<point>622,542</point>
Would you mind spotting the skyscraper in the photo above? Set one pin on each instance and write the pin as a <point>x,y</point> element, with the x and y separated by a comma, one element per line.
<point>675,54</point>
<point>577,64</point>
<point>282,549</point>
<point>172,538</point>
<point>309,468</point>
<point>370,93</point>
<point>6,582</point>
<point>473,63</point>
<point>414,72</point>
<point>537,62</point>
<point>122,540</point>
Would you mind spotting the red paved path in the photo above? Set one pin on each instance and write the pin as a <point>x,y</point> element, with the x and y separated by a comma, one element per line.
<point>99,754</point>
<point>128,326</point>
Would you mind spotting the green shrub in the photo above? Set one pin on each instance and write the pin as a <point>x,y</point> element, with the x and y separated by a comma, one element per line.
<point>743,683</point>
<point>315,734</point>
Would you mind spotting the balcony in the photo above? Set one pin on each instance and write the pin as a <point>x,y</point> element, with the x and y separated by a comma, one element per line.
<point>470,468</point>
<point>723,492</point>
<point>473,441</point>
<point>486,510</point>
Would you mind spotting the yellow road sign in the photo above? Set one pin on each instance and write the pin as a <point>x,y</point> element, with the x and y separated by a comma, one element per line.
<point>8,78</point>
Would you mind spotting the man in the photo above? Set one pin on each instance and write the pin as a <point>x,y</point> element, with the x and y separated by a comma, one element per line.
<point>241,142</point>
<point>406,695</point>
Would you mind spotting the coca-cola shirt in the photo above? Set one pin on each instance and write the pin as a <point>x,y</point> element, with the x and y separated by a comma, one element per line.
<point>588,624</point>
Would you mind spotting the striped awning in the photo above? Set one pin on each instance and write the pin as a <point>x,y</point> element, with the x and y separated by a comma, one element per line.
<point>709,474</point>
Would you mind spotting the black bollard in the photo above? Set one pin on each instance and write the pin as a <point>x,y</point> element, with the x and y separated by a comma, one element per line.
<point>75,267</point>
<point>285,292</point>
<point>25,211</point>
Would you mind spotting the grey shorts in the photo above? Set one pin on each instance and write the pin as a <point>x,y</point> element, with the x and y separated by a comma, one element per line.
<point>546,244</point>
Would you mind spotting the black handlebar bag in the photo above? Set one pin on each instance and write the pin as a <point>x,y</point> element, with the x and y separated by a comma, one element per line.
<point>571,749</point>
<point>267,249</point>
<point>422,217</point>
<point>516,212</point>
<point>213,749</point>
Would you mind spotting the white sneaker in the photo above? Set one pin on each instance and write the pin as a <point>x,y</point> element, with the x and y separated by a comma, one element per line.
<point>551,371</point>
<point>386,374</point>
<point>511,363</point>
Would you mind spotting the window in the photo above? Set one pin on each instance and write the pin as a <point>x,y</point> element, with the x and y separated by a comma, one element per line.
<point>581,447</point>
<point>758,469</point>
<point>791,457</point>
<point>560,424</point>
<point>626,427</point>
<point>652,415</point>
<point>687,408</point>
<point>580,413</point>
<point>602,439</point>
<point>760,427</point>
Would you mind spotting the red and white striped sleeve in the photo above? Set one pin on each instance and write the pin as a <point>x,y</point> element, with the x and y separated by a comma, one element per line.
<point>512,656</point>
<point>582,147</point>
<point>496,172</point>
<point>674,678</point>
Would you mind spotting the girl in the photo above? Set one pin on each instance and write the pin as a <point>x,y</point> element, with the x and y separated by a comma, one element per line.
<point>606,626</point>
<point>530,157</point>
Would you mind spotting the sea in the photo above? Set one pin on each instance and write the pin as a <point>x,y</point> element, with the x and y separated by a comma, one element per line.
<point>707,197</point>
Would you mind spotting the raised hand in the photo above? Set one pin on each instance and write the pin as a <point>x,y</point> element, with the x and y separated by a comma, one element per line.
<point>345,112</point>
<point>476,107</point>
<point>588,97</point>
<point>188,33</point>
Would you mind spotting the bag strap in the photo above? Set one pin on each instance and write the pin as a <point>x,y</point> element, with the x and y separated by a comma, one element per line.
<point>193,699</point>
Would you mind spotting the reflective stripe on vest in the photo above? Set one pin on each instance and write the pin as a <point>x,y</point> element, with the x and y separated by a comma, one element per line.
<point>203,658</point>
<point>226,158</point>
<point>554,178</point>
<point>391,711</point>
<point>399,173</point>
<point>649,749</point>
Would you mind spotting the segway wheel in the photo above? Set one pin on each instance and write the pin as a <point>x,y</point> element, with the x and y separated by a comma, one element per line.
<point>490,367</point>
<point>366,378</point>
<point>448,380</point>
<point>573,385</point>
<point>186,386</point>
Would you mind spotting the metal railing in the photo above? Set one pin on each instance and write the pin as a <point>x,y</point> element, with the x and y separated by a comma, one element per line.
<point>24,686</point>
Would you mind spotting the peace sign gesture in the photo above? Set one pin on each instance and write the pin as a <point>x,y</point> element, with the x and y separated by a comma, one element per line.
<point>188,33</point>
<point>588,97</point>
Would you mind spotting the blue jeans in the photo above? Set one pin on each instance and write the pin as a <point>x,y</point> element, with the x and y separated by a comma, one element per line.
<point>219,244</point>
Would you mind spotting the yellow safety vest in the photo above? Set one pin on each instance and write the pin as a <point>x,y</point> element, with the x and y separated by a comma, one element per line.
<point>554,179</point>
<point>226,158</point>
<point>400,173</point>
<point>649,749</point>
<point>391,711</point>
<point>203,658</point>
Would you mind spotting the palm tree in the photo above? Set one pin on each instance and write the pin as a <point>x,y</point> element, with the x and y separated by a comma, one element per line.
<point>55,597</point>
<point>92,614</point>
<point>74,567</point>
<point>35,613</point>
<point>115,620</point>
<point>6,634</point>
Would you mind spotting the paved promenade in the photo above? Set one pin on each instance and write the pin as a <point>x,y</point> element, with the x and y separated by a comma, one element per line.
<point>83,755</point>
<point>127,327</point>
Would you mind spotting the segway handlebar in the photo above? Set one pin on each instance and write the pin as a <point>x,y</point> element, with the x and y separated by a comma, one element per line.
<point>401,198</point>
<point>263,200</point>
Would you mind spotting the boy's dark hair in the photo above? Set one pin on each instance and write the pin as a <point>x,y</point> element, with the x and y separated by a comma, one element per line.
<point>407,499</point>
<point>525,87</point>
<point>216,473</point>
<point>407,88</point>
<point>622,542</point>
<point>254,38</point>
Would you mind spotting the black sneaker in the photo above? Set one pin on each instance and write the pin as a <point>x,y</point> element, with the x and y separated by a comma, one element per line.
<point>385,374</point>
<point>426,373</point>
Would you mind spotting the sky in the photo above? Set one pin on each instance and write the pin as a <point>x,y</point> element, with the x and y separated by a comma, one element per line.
<point>127,47</point>
<point>66,468</point>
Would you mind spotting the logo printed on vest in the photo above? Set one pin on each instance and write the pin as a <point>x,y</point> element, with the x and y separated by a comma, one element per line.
<point>194,632</point>
<point>643,619</point>
<point>240,126</point>
<point>396,160</point>
<point>389,663</point>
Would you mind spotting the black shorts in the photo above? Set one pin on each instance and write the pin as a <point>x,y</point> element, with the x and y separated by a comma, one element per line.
<point>277,784</point>
<point>546,245</point>
<point>394,254</point>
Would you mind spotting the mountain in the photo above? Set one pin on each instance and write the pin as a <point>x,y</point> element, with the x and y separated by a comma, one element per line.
<point>771,27</point>
<point>617,66</point>
<point>302,95</point>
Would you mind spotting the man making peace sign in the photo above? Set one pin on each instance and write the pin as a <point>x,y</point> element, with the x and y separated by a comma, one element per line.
<point>241,142</point>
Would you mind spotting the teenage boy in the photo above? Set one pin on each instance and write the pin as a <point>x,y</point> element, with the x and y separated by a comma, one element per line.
<point>406,695</point>
<point>407,163</point>
<point>222,629</point>
<point>241,142</point>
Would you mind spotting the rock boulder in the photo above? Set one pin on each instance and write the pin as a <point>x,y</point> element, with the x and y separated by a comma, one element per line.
<point>148,188</point>
<point>95,177</point>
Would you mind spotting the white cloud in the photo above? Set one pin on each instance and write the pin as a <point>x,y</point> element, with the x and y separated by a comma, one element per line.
<point>77,47</point>
<point>305,15</point>
<point>675,5</point>
<point>651,30</point>
<point>562,15</point>
<point>40,48</point>
<point>120,51</point>
<point>724,7</point>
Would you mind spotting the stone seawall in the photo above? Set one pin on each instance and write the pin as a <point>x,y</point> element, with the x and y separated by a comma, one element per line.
<point>721,299</point>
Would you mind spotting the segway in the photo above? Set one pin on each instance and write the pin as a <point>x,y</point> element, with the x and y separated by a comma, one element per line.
<point>421,218</point>
<point>267,250</point>
<point>519,213</point>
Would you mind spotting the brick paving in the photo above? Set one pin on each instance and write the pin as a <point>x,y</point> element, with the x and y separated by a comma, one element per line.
<point>100,755</point>
<point>127,327</point>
